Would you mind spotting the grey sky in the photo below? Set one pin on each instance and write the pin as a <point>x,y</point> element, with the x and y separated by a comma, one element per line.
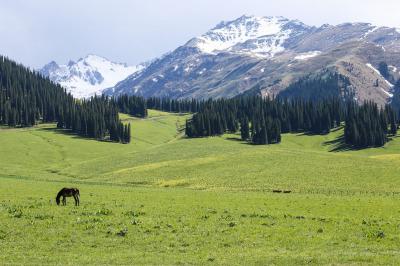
<point>35,32</point>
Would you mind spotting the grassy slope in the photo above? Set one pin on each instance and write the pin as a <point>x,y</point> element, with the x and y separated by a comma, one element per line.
<point>196,200</point>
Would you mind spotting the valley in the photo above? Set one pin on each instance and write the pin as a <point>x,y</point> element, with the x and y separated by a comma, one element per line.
<point>167,199</point>
<point>259,140</point>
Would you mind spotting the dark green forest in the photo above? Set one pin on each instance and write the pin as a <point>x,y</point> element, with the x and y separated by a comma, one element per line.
<point>26,99</point>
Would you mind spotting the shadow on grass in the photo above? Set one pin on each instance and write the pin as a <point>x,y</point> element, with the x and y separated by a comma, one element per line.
<point>319,134</point>
<point>73,135</point>
<point>339,145</point>
<point>248,142</point>
<point>239,140</point>
<point>234,139</point>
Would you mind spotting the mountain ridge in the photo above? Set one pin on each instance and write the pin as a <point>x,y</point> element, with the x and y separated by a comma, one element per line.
<point>266,55</point>
<point>88,76</point>
<point>248,59</point>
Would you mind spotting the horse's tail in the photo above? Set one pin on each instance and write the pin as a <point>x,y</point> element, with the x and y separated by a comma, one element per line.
<point>77,192</point>
<point>59,196</point>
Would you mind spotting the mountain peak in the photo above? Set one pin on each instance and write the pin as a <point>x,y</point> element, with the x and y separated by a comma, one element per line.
<point>94,57</point>
<point>268,32</point>
<point>52,64</point>
<point>48,68</point>
<point>244,19</point>
<point>89,75</point>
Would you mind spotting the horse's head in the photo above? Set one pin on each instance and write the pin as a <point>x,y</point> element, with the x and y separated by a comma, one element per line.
<point>58,200</point>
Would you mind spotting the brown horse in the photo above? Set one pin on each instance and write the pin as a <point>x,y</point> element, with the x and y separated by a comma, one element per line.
<point>68,192</point>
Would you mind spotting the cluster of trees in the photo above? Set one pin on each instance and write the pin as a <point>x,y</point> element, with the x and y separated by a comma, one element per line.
<point>262,120</point>
<point>369,126</point>
<point>263,131</point>
<point>137,106</point>
<point>175,106</point>
<point>120,133</point>
<point>396,97</point>
<point>95,118</point>
<point>383,68</point>
<point>26,98</point>
<point>132,105</point>
<point>212,121</point>
<point>314,87</point>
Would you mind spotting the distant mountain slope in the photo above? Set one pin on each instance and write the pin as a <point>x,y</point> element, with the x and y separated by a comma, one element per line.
<point>258,36</point>
<point>88,76</point>
<point>266,55</point>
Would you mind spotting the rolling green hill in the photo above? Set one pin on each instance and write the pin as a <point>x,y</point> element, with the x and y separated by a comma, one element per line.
<point>165,199</point>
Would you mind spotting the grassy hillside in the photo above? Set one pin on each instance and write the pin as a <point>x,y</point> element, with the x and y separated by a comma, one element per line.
<point>164,199</point>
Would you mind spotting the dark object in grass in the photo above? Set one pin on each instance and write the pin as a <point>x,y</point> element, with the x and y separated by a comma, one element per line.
<point>123,232</point>
<point>281,191</point>
<point>68,192</point>
<point>380,234</point>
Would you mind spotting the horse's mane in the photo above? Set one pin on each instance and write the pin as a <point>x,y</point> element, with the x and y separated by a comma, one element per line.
<point>59,196</point>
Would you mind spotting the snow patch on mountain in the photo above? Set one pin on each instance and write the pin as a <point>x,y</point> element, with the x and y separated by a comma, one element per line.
<point>379,73</point>
<point>261,36</point>
<point>387,93</point>
<point>88,76</point>
<point>390,95</point>
<point>370,31</point>
<point>228,34</point>
<point>265,46</point>
<point>308,55</point>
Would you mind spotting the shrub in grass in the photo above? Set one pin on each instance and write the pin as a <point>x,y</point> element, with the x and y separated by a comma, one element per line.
<point>104,211</point>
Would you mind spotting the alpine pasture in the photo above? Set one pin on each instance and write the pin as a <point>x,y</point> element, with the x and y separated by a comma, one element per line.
<point>166,199</point>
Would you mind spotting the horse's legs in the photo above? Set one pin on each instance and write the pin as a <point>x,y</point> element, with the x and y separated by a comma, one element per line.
<point>76,200</point>
<point>64,200</point>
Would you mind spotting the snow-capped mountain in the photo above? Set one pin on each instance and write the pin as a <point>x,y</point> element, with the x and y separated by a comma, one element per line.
<point>88,76</point>
<point>265,55</point>
<point>262,36</point>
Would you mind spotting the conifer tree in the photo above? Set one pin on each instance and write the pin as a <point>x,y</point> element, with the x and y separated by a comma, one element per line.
<point>244,129</point>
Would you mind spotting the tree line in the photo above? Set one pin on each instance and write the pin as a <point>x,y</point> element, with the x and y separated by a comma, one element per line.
<point>132,105</point>
<point>137,106</point>
<point>175,105</point>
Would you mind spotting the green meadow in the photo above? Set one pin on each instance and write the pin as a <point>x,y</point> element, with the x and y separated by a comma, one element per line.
<point>165,199</point>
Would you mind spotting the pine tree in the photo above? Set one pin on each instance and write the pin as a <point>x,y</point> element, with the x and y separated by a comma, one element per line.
<point>384,70</point>
<point>244,129</point>
<point>128,139</point>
